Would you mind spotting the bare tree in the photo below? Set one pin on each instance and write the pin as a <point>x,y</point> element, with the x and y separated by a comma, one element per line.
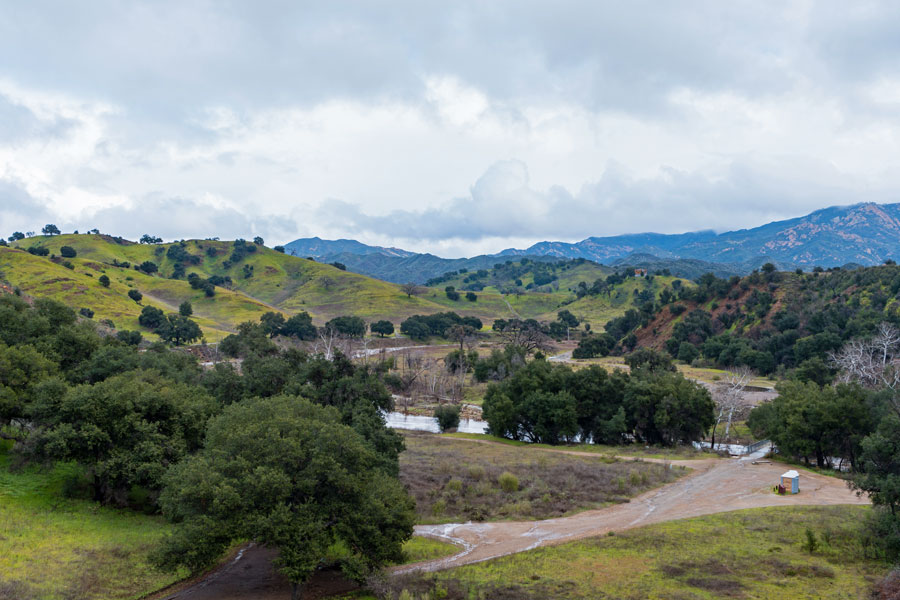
<point>325,342</point>
<point>873,363</point>
<point>729,398</point>
<point>526,334</point>
<point>410,289</point>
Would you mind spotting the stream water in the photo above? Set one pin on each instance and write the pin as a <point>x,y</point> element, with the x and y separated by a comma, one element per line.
<point>398,420</point>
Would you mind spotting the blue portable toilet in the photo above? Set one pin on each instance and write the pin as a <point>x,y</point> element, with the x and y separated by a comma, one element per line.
<point>791,481</point>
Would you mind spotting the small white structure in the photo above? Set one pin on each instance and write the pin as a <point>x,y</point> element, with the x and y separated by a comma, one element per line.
<point>790,481</point>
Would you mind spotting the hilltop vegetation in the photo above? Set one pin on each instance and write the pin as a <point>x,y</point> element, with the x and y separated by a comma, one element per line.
<point>770,321</point>
<point>230,282</point>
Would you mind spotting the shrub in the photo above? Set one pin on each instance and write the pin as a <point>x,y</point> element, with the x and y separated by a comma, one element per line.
<point>86,312</point>
<point>38,251</point>
<point>104,280</point>
<point>471,296</point>
<point>508,482</point>
<point>68,252</point>
<point>447,416</point>
<point>148,267</point>
<point>132,338</point>
<point>135,295</point>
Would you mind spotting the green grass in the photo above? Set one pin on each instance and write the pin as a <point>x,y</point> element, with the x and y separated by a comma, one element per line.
<point>420,548</point>
<point>756,553</point>
<point>53,548</point>
<point>636,450</point>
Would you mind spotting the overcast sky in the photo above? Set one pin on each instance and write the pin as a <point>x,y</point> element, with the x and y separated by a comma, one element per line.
<point>452,127</point>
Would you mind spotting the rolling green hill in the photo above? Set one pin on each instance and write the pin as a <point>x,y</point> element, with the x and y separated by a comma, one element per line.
<point>260,281</point>
<point>252,280</point>
<point>540,290</point>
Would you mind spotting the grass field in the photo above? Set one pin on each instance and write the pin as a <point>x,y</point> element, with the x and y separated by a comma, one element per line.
<point>759,553</point>
<point>54,548</point>
<point>457,480</point>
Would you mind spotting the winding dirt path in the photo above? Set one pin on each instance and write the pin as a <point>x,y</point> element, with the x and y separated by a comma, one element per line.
<point>714,486</point>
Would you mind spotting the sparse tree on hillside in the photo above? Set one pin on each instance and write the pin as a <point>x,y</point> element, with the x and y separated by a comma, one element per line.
<point>186,309</point>
<point>50,229</point>
<point>279,249</point>
<point>16,236</point>
<point>410,289</point>
<point>104,280</point>
<point>68,252</point>
<point>150,239</point>
<point>259,241</point>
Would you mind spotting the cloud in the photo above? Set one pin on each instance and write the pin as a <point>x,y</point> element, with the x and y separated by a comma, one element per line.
<point>446,127</point>
<point>503,203</point>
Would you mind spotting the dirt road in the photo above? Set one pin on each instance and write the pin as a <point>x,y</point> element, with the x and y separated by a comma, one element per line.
<point>714,486</point>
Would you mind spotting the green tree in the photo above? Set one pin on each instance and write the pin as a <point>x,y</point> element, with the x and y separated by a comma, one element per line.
<point>103,280</point>
<point>151,317</point>
<point>289,475</point>
<point>148,267</point>
<point>67,252</point>
<point>350,326</point>
<point>126,430</point>
<point>648,359</point>
<point>272,323</point>
<point>447,416</point>
<point>185,309</point>
<point>567,318</point>
<point>665,408</point>
<point>178,329</point>
<point>16,236</point>
<point>382,328</point>
<point>135,295</point>
<point>50,229</point>
<point>299,326</point>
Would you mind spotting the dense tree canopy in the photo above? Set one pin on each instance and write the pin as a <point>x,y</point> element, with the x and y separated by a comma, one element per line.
<point>287,474</point>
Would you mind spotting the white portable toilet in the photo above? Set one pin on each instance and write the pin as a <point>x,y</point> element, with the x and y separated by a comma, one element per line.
<point>791,482</point>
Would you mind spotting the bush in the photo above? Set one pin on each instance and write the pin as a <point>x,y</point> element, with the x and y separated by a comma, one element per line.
<point>132,338</point>
<point>471,296</point>
<point>148,267</point>
<point>508,482</point>
<point>104,280</point>
<point>135,295</point>
<point>38,251</point>
<point>67,252</point>
<point>86,312</point>
<point>447,416</point>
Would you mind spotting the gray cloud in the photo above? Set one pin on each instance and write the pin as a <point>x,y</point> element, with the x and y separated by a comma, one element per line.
<point>502,203</point>
<point>19,211</point>
<point>193,118</point>
<point>184,218</point>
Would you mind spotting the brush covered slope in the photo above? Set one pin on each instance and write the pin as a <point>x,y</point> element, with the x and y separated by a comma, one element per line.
<point>770,321</point>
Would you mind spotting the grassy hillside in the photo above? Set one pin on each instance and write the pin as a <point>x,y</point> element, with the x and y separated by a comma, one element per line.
<point>261,281</point>
<point>525,287</point>
<point>79,288</point>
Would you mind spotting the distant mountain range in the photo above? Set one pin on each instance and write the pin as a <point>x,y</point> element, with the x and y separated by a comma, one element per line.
<point>864,234</point>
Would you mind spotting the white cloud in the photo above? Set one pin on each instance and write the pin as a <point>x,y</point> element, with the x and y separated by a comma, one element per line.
<point>458,128</point>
